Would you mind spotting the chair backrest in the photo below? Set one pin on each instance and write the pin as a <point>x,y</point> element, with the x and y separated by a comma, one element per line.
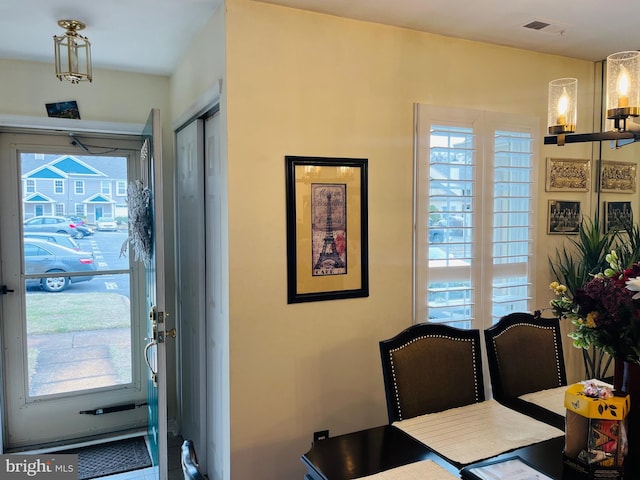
<point>524,355</point>
<point>189,462</point>
<point>430,367</point>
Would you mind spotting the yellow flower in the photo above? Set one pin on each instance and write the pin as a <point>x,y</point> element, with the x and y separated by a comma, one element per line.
<point>558,288</point>
<point>591,319</point>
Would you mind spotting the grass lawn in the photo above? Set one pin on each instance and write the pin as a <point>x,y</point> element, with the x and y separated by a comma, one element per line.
<point>75,312</point>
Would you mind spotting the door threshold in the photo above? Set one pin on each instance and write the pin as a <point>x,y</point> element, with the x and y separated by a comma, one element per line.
<point>85,442</point>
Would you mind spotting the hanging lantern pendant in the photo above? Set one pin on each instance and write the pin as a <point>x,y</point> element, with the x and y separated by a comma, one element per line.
<point>72,53</point>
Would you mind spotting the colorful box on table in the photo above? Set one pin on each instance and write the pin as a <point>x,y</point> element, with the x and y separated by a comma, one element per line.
<point>595,433</point>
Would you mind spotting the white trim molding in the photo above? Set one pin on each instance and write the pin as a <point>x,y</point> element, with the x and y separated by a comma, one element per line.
<point>69,125</point>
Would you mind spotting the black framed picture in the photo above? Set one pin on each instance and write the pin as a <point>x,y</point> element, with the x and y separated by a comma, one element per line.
<point>63,110</point>
<point>563,217</point>
<point>617,216</point>
<point>327,228</point>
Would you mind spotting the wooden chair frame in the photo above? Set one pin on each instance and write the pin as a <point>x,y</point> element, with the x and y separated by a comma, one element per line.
<point>544,372</point>
<point>430,367</point>
<point>507,325</point>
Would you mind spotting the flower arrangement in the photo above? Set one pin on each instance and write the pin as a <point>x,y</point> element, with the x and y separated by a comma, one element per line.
<point>605,310</point>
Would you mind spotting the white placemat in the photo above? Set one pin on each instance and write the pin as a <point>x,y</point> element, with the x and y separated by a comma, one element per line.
<point>426,469</point>
<point>476,432</point>
<point>551,399</point>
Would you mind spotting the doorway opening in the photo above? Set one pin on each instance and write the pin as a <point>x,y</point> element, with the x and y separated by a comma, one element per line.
<point>74,362</point>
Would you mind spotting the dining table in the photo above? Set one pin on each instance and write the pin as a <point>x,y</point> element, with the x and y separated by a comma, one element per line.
<point>449,445</point>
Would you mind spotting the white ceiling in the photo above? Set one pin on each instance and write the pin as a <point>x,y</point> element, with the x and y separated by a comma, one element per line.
<point>147,36</point>
<point>150,36</point>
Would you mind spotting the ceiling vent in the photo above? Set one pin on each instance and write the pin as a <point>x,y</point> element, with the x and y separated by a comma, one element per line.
<point>545,27</point>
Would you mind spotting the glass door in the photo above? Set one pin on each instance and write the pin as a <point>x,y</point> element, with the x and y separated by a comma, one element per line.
<point>153,256</point>
<point>72,363</point>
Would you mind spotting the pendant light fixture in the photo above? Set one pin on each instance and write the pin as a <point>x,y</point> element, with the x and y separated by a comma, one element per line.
<point>622,102</point>
<point>72,53</point>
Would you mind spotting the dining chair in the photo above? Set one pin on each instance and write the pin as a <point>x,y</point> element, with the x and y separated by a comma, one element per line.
<point>524,353</point>
<point>431,367</point>
<point>189,462</point>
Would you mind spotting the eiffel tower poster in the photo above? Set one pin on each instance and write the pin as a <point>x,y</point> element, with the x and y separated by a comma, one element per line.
<point>328,212</point>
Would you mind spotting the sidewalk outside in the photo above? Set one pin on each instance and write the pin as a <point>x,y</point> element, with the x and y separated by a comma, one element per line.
<point>73,361</point>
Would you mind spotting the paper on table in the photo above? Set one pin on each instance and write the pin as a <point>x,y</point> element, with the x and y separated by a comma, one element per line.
<point>551,399</point>
<point>512,469</point>
<point>414,471</point>
<point>478,431</point>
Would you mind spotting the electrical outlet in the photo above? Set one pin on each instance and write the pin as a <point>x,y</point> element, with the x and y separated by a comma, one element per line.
<point>320,435</point>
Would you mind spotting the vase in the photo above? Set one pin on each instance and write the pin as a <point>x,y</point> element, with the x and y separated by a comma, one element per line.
<point>626,379</point>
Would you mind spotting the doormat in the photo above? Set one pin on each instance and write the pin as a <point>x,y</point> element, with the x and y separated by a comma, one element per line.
<point>111,458</point>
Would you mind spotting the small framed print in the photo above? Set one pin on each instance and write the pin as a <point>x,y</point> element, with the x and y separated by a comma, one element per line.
<point>618,177</point>
<point>563,217</point>
<point>567,174</point>
<point>618,216</point>
<point>63,110</point>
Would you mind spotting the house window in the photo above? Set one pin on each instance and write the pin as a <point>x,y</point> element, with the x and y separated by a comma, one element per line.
<point>59,209</point>
<point>105,187</point>
<point>79,187</point>
<point>58,186</point>
<point>80,209</point>
<point>121,188</point>
<point>474,223</point>
<point>30,186</point>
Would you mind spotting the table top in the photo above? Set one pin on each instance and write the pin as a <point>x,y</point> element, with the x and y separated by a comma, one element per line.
<point>366,452</point>
<point>370,451</point>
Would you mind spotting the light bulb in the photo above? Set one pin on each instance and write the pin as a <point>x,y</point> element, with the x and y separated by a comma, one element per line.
<point>563,104</point>
<point>623,88</point>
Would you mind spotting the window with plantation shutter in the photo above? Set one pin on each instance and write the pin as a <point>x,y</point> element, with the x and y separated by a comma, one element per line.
<point>474,225</point>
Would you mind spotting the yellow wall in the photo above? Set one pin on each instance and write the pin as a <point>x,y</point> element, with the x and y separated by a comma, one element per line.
<point>202,66</point>
<point>113,96</point>
<point>301,83</point>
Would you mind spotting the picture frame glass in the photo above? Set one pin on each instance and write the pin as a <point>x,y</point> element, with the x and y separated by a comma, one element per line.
<point>618,216</point>
<point>568,174</point>
<point>326,228</point>
<point>564,217</point>
<point>618,177</point>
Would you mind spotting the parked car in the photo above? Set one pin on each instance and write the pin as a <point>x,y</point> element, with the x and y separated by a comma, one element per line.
<point>444,227</point>
<point>54,224</point>
<point>46,257</point>
<point>77,220</point>
<point>59,238</point>
<point>436,232</point>
<point>83,231</point>
<point>106,224</point>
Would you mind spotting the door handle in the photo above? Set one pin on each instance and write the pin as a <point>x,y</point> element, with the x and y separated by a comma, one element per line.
<point>154,374</point>
<point>4,290</point>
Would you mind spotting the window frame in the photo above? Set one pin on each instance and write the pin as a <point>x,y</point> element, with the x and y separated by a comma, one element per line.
<point>484,125</point>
